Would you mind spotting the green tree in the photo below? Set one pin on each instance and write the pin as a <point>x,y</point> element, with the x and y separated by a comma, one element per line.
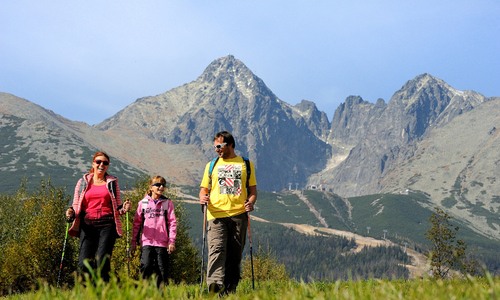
<point>447,252</point>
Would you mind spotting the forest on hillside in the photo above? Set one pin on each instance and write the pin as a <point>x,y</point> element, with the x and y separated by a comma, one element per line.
<point>312,258</point>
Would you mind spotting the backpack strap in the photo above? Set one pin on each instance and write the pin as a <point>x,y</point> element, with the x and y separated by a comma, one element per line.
<point>83,187</point>
<point>165,210</point>
<point>210,169</point>
<point>144,205</point>
<point>112,190</point>
<point>249,171</point>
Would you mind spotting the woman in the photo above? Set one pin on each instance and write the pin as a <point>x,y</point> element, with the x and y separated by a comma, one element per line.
<point>96,214</point>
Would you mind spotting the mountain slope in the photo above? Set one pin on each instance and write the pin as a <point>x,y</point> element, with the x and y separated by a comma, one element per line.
<point>458,165</point>
<point>38,144</point>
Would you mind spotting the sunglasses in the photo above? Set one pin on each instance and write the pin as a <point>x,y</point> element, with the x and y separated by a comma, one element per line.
<point>220,145</point>
<point>158,184</point>
<point>104,162</point>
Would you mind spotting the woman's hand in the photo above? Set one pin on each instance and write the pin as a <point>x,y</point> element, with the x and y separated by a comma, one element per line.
<point>127,205</point>
<point>171,248</point>
<point>70,214</point>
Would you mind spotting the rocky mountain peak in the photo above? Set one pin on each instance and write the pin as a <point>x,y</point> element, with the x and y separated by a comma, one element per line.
<point>353,100</point>
<point>305,106</point>
<point>427,101</point>
<point>226,68</point>
<point>317,121</point>
<point>422,88</point>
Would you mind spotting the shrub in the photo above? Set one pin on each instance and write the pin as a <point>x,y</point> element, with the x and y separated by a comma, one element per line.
<point>266,267</point>
<point>32,235</point>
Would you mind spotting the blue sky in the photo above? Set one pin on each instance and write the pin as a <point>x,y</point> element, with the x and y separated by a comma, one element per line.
<point>86,60</point>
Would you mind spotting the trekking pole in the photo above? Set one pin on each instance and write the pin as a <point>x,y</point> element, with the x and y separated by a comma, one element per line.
<point>205,208</point>
<point>251,252</point>
<point>64,249</point>
<point>128,250</point>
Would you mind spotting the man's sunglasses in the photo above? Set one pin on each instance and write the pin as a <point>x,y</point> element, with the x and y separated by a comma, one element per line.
<point>220,145</point>
<point>104,162</point>
<point>158,184</point>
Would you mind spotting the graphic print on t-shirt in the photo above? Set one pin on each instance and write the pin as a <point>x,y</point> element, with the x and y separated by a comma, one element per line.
<point>229,179</point>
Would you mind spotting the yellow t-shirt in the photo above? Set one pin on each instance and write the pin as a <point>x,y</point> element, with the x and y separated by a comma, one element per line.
<point>228,194</point>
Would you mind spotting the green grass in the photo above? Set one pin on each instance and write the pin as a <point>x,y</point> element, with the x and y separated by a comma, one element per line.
<point>472,288</point>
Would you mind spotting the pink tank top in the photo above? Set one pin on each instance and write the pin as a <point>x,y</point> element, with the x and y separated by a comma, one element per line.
<point>97,202</point>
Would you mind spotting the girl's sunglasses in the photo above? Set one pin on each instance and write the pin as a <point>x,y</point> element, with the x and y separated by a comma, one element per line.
<point>158,184</point>
<point>104,162</point>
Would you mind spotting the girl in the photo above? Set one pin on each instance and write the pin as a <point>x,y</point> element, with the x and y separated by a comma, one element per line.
<point>155,216</point>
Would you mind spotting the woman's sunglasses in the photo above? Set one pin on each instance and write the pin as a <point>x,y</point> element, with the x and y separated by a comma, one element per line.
<point>158,184</point>
<point>104,162</point>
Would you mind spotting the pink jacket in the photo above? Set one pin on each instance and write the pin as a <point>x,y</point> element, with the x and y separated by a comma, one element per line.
<point>154,231</point>
<point>81,189</point>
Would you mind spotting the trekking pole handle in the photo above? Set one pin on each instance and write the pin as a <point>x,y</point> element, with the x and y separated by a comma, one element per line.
<point>72,218</point>
<point>253,204</point>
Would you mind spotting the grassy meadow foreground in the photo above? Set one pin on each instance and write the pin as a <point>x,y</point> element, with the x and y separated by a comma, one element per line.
<point>33,249</point>
<point>471,288</point>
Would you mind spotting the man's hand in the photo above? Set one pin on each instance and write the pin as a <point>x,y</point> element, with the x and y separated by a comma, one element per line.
<point>204,196</point>
<point>249,206</point>
<point>252,198</point>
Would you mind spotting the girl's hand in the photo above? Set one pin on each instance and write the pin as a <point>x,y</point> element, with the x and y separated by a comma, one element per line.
<point>171,248</point>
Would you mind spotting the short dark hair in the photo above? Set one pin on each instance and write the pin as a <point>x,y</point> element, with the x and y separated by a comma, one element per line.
<point>228,138</point>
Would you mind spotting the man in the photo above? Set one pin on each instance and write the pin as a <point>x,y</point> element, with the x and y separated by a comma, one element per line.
<point>229,196</point>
